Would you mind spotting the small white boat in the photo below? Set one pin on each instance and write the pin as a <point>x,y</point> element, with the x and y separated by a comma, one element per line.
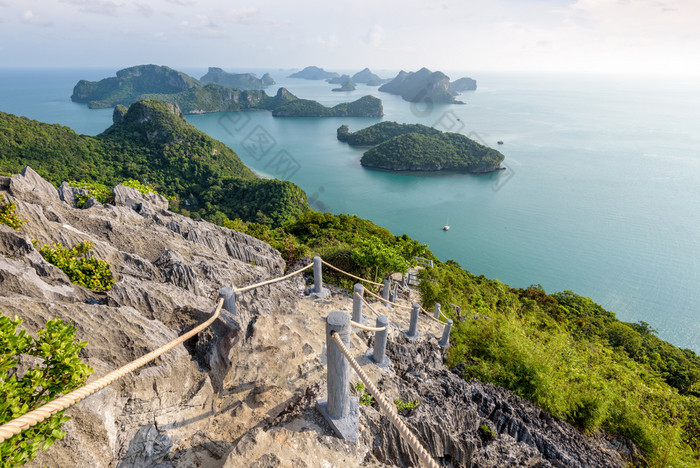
<point>446,227</point>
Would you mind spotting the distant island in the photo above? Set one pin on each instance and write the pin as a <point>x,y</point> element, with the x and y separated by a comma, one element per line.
<point>347,84</point>
<point>463,84</point>
<point>192,97</point>
<point>314,73</point>
<point>425,85</point>
<point>367,77</point>
<point>130,83</point>
<point>415,147</point>
<point>236,80</point>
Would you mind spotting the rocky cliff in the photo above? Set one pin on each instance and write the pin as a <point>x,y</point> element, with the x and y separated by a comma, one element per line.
<point>241,393</point>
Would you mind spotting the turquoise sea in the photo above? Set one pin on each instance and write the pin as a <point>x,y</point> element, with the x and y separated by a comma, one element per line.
<point>601,194</point>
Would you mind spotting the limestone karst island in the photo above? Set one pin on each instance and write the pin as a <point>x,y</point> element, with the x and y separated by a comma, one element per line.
<point>177,290</point>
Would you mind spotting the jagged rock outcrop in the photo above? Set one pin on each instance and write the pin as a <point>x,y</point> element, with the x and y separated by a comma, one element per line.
<point>470,423</point>
<point>168,269</point>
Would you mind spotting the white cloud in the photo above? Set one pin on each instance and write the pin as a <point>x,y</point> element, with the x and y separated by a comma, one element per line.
<point>375,36</point>
<point>330,42</point>
<point>29,17</point>
<point>243,16</point>
<point>97,7</point>
<point>182,2</point>
<point>202,26</point>
<point>144,8</point>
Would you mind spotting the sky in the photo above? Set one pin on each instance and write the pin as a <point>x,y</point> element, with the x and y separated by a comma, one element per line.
<point>655,37</point>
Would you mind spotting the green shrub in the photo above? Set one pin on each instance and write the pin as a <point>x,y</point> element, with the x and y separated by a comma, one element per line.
<point>8,214</point>
<point>404,405</point>
<point>82,269</point>
<point>101,192</point>
<point>135,184</point>
<point>59,372</point>
<point>365,398</point>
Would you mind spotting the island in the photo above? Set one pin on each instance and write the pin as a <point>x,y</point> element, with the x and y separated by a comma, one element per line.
<point>367,77</point>
<point>346,83</point>
<point>192,97</point>
<point>367,106</point>
<point>236,80</point>
<point>314,73</point>
<point>415,147</point>
<point>463,84</point>
<point>422,86</point>
<point>130,83</point>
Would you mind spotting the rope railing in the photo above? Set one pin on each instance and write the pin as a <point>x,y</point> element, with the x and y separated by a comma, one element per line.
<point>366,328</point>
<point>386,406</point>
<point>34,417</point>
<point>349,274</point>
<point>273,280</point>
<point>431,317</point>
<point>401,306</point>
<point>369,306</point>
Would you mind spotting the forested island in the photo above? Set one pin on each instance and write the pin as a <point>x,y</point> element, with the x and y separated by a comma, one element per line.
<point>367,77</point>
<point>314,73</point>
<point>427,86</point>
<point>346,83</point>
<point>415,147</point>
<point>193,97</point>
<point>236,80</point>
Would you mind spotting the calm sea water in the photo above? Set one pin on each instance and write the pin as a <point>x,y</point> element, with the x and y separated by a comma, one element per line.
<point>601,194</point>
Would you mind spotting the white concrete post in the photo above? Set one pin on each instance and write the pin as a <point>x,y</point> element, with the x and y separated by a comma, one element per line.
<point>446,334</point>
<point>338,366</point>
<point>359,292</point>
<point>229,299</point>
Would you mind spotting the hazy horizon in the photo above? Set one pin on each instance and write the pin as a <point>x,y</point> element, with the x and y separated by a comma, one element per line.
<point>650,37</point>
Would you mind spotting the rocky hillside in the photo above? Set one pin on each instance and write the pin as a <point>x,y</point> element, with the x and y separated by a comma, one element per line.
<point>242,393</point>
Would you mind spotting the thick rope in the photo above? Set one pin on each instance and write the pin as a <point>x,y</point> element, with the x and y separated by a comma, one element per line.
<point>386,406</point>
<point>274,280</point>
<point>368,304</point>
<point>431,317</point>
<point>365,327</point>
<point>28,420</point>
<point>349,274</point>
<point>387,301</point>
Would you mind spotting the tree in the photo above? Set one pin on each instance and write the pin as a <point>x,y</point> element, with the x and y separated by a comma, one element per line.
<point>371,252</point>
<point>54,369</point>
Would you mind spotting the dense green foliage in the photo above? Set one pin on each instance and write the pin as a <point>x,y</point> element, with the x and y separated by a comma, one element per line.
<point>236,80</point>
<point>8,214</point>
<point>573,358</point>
<point>130,83</point>
<point>152,143</point>
<point>367,106</point>
<point>81,268</point>
<point>381,132</point>
<point>57,371</point>
<point>444,151</point>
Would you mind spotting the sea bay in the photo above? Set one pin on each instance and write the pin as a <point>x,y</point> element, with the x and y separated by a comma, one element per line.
<point>600,193</point>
